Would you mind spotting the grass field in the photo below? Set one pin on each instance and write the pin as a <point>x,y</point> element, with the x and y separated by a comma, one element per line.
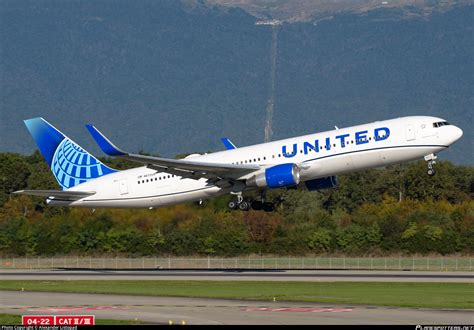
<point>428,295</point>
<point>13,319</point>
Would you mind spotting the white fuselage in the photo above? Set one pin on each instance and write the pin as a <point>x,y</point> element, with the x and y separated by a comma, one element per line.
<point>318,155</point>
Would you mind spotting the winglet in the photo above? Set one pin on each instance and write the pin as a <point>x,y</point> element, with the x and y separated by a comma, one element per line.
<point>228,143</point>
<point>104,143</point>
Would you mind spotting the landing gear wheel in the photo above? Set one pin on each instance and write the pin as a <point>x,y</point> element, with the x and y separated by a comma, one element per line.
<point>256,205</point>
<point>431,159</point>
<point>233,205</point>
<point>268,207</point>
<point>244,206</point>
<point>431,170</point>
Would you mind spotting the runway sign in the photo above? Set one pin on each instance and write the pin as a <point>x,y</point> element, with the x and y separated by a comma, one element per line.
<point>39,320</point>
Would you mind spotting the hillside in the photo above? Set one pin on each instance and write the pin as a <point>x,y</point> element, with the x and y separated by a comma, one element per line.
<point>307,10</point>
<point>170,77</point>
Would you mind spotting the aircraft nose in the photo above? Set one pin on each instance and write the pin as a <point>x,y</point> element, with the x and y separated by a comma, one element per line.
<point>456,133</point>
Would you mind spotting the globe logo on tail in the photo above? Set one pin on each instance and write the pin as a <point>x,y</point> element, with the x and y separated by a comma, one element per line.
<point>72,165</point>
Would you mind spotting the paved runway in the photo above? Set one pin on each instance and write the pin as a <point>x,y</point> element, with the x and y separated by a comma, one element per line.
<point>159,310</point>
<point>240,275</point>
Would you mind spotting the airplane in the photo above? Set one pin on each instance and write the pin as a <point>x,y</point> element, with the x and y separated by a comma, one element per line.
<point>312,160</point>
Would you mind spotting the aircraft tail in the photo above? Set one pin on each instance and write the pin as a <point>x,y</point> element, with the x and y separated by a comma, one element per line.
<point>70,164</point>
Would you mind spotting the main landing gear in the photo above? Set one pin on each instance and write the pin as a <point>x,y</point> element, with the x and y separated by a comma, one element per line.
<point>245,205</point>
<point>431,161</point>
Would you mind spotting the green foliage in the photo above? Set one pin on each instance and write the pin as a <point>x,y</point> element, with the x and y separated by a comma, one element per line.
<point>393,210</point>
<point>14,173</point>
<point>320,240</point>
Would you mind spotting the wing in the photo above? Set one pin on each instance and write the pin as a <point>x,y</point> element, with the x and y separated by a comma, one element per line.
<point>57,194</point>
<point>180,167</point>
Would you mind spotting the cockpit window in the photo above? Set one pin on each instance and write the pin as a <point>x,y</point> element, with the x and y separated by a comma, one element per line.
<point>441,123</point>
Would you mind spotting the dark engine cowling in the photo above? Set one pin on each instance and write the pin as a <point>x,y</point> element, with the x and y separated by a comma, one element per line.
<point>284,175</point>
<point>321,183</point>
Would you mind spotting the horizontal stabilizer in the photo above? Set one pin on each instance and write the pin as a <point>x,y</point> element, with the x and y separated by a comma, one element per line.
<point>57,194</point>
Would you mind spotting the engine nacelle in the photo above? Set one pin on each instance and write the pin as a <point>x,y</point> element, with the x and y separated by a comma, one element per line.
<point>278,176</point>
<point>321,183</point>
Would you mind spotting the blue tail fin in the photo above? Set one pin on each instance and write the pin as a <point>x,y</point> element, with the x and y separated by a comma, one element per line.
<point>70,164</point>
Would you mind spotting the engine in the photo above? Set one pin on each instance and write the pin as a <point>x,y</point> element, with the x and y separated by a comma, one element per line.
<point>321,183</point>
<point>284,175</point>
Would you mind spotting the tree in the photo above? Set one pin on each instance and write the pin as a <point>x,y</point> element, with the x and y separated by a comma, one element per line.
<point>14,173</point>
<point>320,240</point>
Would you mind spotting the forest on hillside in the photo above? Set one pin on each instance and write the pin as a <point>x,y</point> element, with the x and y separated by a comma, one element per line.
<point>150,69</point>
<point>395,210</point>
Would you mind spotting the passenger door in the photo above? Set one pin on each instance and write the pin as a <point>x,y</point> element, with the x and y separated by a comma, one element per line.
<point>123,187</point>
<point>410,133</point>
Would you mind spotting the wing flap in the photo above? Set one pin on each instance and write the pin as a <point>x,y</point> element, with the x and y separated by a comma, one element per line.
<point>57,194</point>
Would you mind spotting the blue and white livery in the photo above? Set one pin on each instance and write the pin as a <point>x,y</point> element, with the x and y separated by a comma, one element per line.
<point>70,164</point>
<point>314,160</point>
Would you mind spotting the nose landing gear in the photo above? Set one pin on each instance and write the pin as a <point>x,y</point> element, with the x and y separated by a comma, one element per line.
<point>431,161</point>
<point>431,170</point>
